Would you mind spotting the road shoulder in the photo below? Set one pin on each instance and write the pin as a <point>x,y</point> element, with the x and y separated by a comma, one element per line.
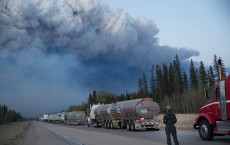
<point>13,133</point>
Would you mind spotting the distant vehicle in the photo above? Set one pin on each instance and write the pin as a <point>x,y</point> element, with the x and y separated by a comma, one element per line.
<point>50,118</point>
<point>45,117</point>
<point>75,118</point>
<point>132,114</point>
<point>214,116</point>
<point>59,117</point>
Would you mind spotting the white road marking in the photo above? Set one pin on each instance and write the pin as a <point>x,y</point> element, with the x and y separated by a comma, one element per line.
<point>67,138</point>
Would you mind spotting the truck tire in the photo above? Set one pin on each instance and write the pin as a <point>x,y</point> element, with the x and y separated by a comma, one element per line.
<point>88,124</point>
<point>97,124</point>
<point>106,124</point>
<point>110,124</point>
<point>133,126</point>
<point>128,126</point>
<point>112,127</point>
<point>205,130</point>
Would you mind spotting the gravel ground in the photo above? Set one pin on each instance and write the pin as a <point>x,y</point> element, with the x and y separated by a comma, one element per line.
<point>11,134</point>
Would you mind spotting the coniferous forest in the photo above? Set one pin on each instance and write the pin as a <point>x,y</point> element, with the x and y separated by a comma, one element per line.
<point>168,85</point>
<point>9,115</point>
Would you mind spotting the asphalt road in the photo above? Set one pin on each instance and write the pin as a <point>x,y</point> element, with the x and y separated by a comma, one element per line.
<point>42,133</point>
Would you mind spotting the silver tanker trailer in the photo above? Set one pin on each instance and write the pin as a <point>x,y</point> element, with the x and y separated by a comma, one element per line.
<point>57,118</point>
<point>132,114</point>
<point>75,118</point>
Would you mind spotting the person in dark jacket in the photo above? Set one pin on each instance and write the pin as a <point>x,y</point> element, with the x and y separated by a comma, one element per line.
<point>169,120</point>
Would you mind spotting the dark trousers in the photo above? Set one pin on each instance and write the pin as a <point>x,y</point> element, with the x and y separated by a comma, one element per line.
<point>171,129</point>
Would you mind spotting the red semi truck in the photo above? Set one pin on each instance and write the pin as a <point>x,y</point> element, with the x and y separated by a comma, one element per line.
<point>214,116</point>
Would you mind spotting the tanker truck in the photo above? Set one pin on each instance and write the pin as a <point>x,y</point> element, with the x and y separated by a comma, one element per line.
<point>214,116</point>
<point>75,118</point>
<point>132,114</point>
<point>57,118</point>
<point>45,117</point>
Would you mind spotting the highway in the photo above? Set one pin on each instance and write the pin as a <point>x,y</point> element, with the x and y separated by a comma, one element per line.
<point>41,133</point>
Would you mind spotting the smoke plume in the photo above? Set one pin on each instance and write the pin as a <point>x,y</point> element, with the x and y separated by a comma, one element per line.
<point>54,53</point>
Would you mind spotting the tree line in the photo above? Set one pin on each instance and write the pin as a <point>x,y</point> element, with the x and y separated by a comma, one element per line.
<point>183,90</point>
<point>9,115</point>
<point>167,85</point>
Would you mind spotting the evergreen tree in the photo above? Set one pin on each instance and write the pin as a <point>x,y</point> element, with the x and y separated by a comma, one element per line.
<point>171,80</point>
<point>193,76</point>
<point>165,80</point>
<point>145,86</point>
<point>140,87</point>
<point>90,99</point>
<point>105,97</point>
<point>153,83</point>
<point>159,83</point>
<point>203,75</point>
<point>211,77</point>
<point>178,76</point>
<point>223,70</point>
<point>198,76</point>
<point>95,97</point>
<point>9,115</point>
<point>185,82</point>
<point>216,68</point>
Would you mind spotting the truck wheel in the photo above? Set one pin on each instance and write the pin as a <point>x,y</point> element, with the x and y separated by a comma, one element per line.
<point>205,130</point>
<point>106,125</point>
<point>128,126</point>
<point>110,125</point>
<point>88,124</point>
<point>133,126</point>
<point>120,125</point>
<point>97,124</point>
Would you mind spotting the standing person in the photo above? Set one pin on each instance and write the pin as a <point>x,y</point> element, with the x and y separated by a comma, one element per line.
<point>169,120</point>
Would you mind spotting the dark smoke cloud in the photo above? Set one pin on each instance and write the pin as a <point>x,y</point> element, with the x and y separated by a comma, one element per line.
<point>53,53</point>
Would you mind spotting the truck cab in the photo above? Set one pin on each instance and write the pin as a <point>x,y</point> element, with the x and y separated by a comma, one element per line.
<point>214,116</point>
<point>92,117</point>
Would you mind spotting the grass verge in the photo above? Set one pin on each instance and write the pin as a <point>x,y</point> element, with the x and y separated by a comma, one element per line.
<point>13,132</point>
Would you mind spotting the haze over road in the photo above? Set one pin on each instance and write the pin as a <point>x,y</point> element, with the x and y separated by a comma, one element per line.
<point>45,133</point>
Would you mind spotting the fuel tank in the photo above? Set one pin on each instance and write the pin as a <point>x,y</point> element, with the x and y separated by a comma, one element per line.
<point>143,108</point>
<point>77,117</point>
<point>103,111</point>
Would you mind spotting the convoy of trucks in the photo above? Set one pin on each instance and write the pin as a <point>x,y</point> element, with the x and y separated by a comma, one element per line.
<point>73,118</point>
<point>137,114</point>
<point>214,116</point>
<point>132,114</point>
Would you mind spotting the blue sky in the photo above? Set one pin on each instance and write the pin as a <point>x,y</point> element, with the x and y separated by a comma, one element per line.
<point>203,25</point>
